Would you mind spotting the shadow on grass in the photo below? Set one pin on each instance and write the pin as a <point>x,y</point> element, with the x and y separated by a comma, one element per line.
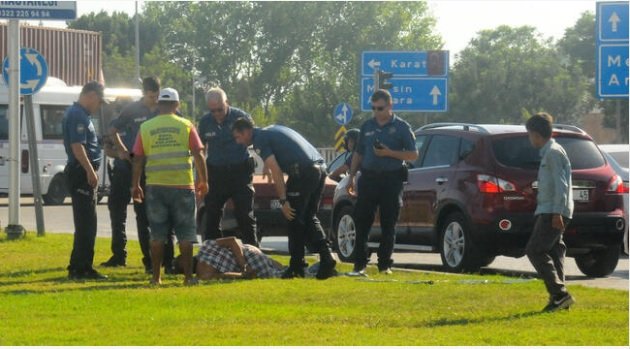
<point>60,284</point>
<point>482,271</point>
<point>23,273</point>
<point>501,272</point>
<point>463,322</point>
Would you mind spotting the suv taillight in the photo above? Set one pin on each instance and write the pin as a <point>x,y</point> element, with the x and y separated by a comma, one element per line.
<point>616,186</point>
<point>491,184</point>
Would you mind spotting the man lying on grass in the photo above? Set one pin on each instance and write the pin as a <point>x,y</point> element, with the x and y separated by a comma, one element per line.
<point>227,258</point>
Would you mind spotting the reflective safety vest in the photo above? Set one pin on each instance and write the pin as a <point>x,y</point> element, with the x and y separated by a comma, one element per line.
<point>165,140</point>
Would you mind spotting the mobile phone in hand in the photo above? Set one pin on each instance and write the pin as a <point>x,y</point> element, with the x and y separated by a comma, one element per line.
<point>377,144</point>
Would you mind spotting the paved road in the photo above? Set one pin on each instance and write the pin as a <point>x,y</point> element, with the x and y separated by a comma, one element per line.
<point>58,219</point>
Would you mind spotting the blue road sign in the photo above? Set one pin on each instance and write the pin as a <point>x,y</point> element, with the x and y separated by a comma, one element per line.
<point>411,94</point>
<point>33,71</point>
<point>612,71</point>
<point>612,49</point>
<point>402,63</point>
<point>42,10</point>
<point>342,114</point>
<point>612,21</point>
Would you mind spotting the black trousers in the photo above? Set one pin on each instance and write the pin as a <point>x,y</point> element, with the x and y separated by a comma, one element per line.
<point>377,191</point>
<point>304,193</point>
<point>119,197</point>
<point>84,214</point>
<point>233,182</point>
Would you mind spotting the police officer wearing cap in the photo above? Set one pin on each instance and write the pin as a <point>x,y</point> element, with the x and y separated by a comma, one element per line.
<point>230,169</point>
<point>385,141</point>
<point>286,151</point>
<point>84,159</point>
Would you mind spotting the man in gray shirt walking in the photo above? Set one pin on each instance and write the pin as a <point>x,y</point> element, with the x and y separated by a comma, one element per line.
<point>546,249</point>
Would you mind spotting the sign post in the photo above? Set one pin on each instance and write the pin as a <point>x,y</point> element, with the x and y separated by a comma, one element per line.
<point>16,11</point>
<point>33,76</point>
<point>419,79</point>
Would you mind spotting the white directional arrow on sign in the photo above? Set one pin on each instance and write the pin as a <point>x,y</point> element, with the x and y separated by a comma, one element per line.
<point>435,92</point>
<point>32,58</point>
<point>373,64</point>
<point>614,19</point>
<point>342,117</point>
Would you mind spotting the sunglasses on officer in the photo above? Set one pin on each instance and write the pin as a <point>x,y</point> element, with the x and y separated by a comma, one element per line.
<point>378,108</point>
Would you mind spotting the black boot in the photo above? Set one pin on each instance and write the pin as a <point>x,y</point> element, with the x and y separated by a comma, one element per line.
<point>294,270</point>
<point>327,263</point>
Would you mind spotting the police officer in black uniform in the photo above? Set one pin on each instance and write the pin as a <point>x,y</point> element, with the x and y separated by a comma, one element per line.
<point>230,169</point>
<point>384,143</point>
<point>286,151</point>
<point>84,159</point>
<point>122,134</point>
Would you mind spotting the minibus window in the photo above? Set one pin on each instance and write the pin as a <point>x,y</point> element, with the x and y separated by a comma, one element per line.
<point>4,122</point>
<point>52,117</point>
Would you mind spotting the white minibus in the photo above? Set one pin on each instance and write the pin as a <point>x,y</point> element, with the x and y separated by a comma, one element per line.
<point>49,105</point>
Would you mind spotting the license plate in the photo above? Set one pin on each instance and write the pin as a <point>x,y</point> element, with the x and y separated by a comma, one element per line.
<point>580,195</point>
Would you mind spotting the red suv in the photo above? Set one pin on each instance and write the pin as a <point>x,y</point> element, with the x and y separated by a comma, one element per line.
<point>471,196</point>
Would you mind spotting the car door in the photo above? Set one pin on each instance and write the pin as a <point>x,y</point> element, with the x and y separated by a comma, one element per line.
<point>429,182</point>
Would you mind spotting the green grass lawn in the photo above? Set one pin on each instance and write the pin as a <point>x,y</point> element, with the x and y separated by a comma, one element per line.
<point>40,306</point>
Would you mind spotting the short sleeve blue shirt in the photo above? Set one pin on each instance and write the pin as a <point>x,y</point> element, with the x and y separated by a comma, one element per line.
<point>128,123</point>
<point>78,128</point>
<point>222,149</point>
<point>396,135</point>
<point>288,146</point>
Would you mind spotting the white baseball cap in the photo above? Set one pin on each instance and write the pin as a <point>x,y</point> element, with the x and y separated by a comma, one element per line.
<point>168,94</point>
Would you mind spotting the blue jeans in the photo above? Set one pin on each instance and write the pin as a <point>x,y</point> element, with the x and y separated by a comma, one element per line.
<point>171,209</point>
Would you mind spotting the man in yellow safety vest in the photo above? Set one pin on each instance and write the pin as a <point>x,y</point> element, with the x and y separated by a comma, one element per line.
<point>165,143</point>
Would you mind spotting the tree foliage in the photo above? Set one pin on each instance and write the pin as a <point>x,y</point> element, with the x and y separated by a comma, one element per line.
<point>293,62</point>
<point>579,45</point>
<point>506,74</point>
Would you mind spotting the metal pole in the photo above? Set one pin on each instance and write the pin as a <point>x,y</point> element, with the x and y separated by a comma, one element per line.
<point>14,229</point>
<point>34,163</point>
<point>137,45</point>
<point>193,88</point>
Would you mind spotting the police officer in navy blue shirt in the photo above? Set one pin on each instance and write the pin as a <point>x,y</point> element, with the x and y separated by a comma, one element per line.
<point>84,159</point>
<point>385,142</point>
<point>286,151</point>
<point>122,134</point>
<point>230,169</point>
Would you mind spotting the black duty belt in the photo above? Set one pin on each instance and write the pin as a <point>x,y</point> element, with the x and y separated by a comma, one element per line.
<point>396,174</point>
<point>295,169</point>
<point>229,168</point>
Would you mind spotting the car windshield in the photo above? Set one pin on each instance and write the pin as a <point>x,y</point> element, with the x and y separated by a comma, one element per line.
<point>518,152</point>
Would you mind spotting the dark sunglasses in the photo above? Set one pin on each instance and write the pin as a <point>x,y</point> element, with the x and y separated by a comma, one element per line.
<point>218,110</point>
<point>378,108</point>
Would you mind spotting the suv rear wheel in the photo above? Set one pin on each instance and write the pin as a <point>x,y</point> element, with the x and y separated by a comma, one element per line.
<point>456,247</point>
<point>599,263</point>
<point>345,234</point>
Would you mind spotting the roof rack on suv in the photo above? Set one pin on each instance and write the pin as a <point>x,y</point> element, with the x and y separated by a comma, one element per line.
<point>569,128</point>
<point>464,126</point>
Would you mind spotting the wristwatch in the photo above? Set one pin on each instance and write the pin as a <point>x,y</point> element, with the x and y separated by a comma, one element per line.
<point>283,201</point>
